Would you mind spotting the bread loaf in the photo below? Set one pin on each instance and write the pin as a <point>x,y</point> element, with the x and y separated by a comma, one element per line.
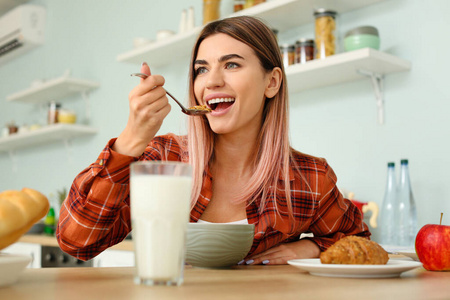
<point>19,210</point>
<point>355,250</point>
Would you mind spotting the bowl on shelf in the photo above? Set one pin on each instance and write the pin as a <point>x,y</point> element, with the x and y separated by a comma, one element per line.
<point>66,116</point>
<point>212,245</point>
<point>362,37</point>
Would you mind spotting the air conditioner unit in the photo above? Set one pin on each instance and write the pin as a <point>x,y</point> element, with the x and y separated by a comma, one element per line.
<point>21,30</point>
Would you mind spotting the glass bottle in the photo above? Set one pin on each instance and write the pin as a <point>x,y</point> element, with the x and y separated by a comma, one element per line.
<point>53,109</point>
<point>407,217</point>
<point>304,51</point>
<point>389,208</point>
<point>287,54</point>
<point>49,222</point>
<point>325,32</point>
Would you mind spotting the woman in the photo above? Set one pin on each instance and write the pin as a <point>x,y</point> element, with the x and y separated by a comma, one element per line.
<point>243,166</point>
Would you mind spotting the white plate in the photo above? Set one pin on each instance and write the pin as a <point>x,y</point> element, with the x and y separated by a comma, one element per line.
<point>392,269</point>
<point>409,253</point>
<point>11,266</point>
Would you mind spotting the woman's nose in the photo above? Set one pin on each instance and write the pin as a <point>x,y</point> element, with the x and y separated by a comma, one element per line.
<point>215,79</point>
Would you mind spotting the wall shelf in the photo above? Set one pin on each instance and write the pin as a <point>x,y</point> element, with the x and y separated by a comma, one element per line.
<point>279,14</point>
<point>342,67</point>
<point>53,89</point>
<point>44,135</point>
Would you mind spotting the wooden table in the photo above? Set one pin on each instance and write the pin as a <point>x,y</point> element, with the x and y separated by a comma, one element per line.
<point>240,282</point>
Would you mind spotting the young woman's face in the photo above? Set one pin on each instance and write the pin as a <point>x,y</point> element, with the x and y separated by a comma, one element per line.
<point>232,82</point>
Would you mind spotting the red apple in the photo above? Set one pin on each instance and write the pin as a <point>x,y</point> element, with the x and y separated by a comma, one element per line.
<point>433,247</point>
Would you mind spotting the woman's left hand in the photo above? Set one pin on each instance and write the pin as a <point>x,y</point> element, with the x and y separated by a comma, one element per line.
<point>280,254</point>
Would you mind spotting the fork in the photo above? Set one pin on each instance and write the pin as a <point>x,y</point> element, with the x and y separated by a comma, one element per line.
<point>193,111</point>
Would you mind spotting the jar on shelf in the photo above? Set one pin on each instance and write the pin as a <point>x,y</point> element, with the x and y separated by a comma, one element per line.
<point>53,109</point>
<point>238,5</point>
<point>287,54</point>
<point>275,32</point>
<point>325,32</point>
<point>304,51</point>
<point>12,128</point>
<point>362,37</point>
<point>211,10</point>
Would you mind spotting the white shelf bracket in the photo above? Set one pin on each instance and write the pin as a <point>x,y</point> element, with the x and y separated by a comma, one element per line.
<point>13,157</point>
<point>378,86</point>
<point>85,95</point>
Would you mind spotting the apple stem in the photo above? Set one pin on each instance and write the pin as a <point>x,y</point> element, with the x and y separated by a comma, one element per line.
<point>440,223</point>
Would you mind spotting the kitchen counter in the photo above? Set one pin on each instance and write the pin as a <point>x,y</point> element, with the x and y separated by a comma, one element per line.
<point>46,240</point>
<point>240,282</point>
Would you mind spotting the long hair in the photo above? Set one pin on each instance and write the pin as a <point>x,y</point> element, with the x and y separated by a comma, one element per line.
<point>272,159</point>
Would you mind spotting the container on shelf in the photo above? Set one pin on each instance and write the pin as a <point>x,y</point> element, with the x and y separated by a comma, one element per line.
<point>325,32</point>
<point>304,50</point>
<point>362,37</point>
<point>238,5</point>
<point>66,116</point>
<point>256,2</point>
<point>211,10</point>
<point>12,128</point>
<point>53,110</point>
<point>288,54</point>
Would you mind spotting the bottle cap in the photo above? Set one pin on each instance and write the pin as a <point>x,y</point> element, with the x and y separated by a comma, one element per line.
<point>404,161</point>
<point>391,164</point>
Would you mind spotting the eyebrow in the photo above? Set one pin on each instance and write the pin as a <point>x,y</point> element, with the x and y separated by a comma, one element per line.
<point>221,59</point>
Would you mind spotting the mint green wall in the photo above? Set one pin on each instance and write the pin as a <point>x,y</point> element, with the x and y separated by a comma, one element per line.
<point>336,122</point>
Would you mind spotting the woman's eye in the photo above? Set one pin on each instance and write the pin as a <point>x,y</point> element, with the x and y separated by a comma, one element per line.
<point>200,70</point>
<point>231,65</point>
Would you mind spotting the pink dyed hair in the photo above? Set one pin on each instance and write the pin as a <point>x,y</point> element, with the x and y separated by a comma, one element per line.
<point>274,154</point>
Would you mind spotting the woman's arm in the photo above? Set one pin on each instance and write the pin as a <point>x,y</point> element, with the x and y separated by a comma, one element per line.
<point>96,213</point>
<point>334,217</point>
<point>279,255</point>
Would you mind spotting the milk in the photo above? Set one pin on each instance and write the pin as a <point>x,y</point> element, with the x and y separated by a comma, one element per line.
<point>159,214</point>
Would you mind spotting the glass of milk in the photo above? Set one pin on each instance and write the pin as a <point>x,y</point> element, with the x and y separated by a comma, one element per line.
<point>160,193</point>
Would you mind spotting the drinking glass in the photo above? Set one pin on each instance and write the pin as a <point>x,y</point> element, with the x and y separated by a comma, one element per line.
<point>160,202</point>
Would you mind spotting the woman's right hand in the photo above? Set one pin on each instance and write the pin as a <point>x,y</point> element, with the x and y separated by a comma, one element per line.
<point>148,108</point>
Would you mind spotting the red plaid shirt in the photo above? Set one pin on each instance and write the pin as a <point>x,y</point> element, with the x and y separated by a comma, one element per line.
<point>96,214</point>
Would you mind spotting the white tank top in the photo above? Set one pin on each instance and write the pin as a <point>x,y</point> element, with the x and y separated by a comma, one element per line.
<point>245,221</point>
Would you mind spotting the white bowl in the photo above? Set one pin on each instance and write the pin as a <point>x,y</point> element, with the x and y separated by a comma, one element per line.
<point>164,34</point>
<point>211,245</point>
<point>11,266</point>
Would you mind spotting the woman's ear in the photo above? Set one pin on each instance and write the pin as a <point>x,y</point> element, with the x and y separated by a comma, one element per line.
<point>274,82</point>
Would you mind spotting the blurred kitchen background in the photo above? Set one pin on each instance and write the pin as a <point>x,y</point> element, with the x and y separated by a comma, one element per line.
<point>84,40</point>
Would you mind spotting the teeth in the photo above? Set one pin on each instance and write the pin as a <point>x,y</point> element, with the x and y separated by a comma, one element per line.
<point>219,100</point>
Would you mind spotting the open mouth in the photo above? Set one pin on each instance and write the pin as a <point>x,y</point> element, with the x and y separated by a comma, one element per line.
<point>220,104</point>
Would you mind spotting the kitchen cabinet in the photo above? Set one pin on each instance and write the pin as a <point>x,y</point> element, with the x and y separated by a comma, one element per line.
<point>286,14</point>
<point>120,255</point>
<point>55,89</point>
<point>28,249</point>
<point>114,258</point>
